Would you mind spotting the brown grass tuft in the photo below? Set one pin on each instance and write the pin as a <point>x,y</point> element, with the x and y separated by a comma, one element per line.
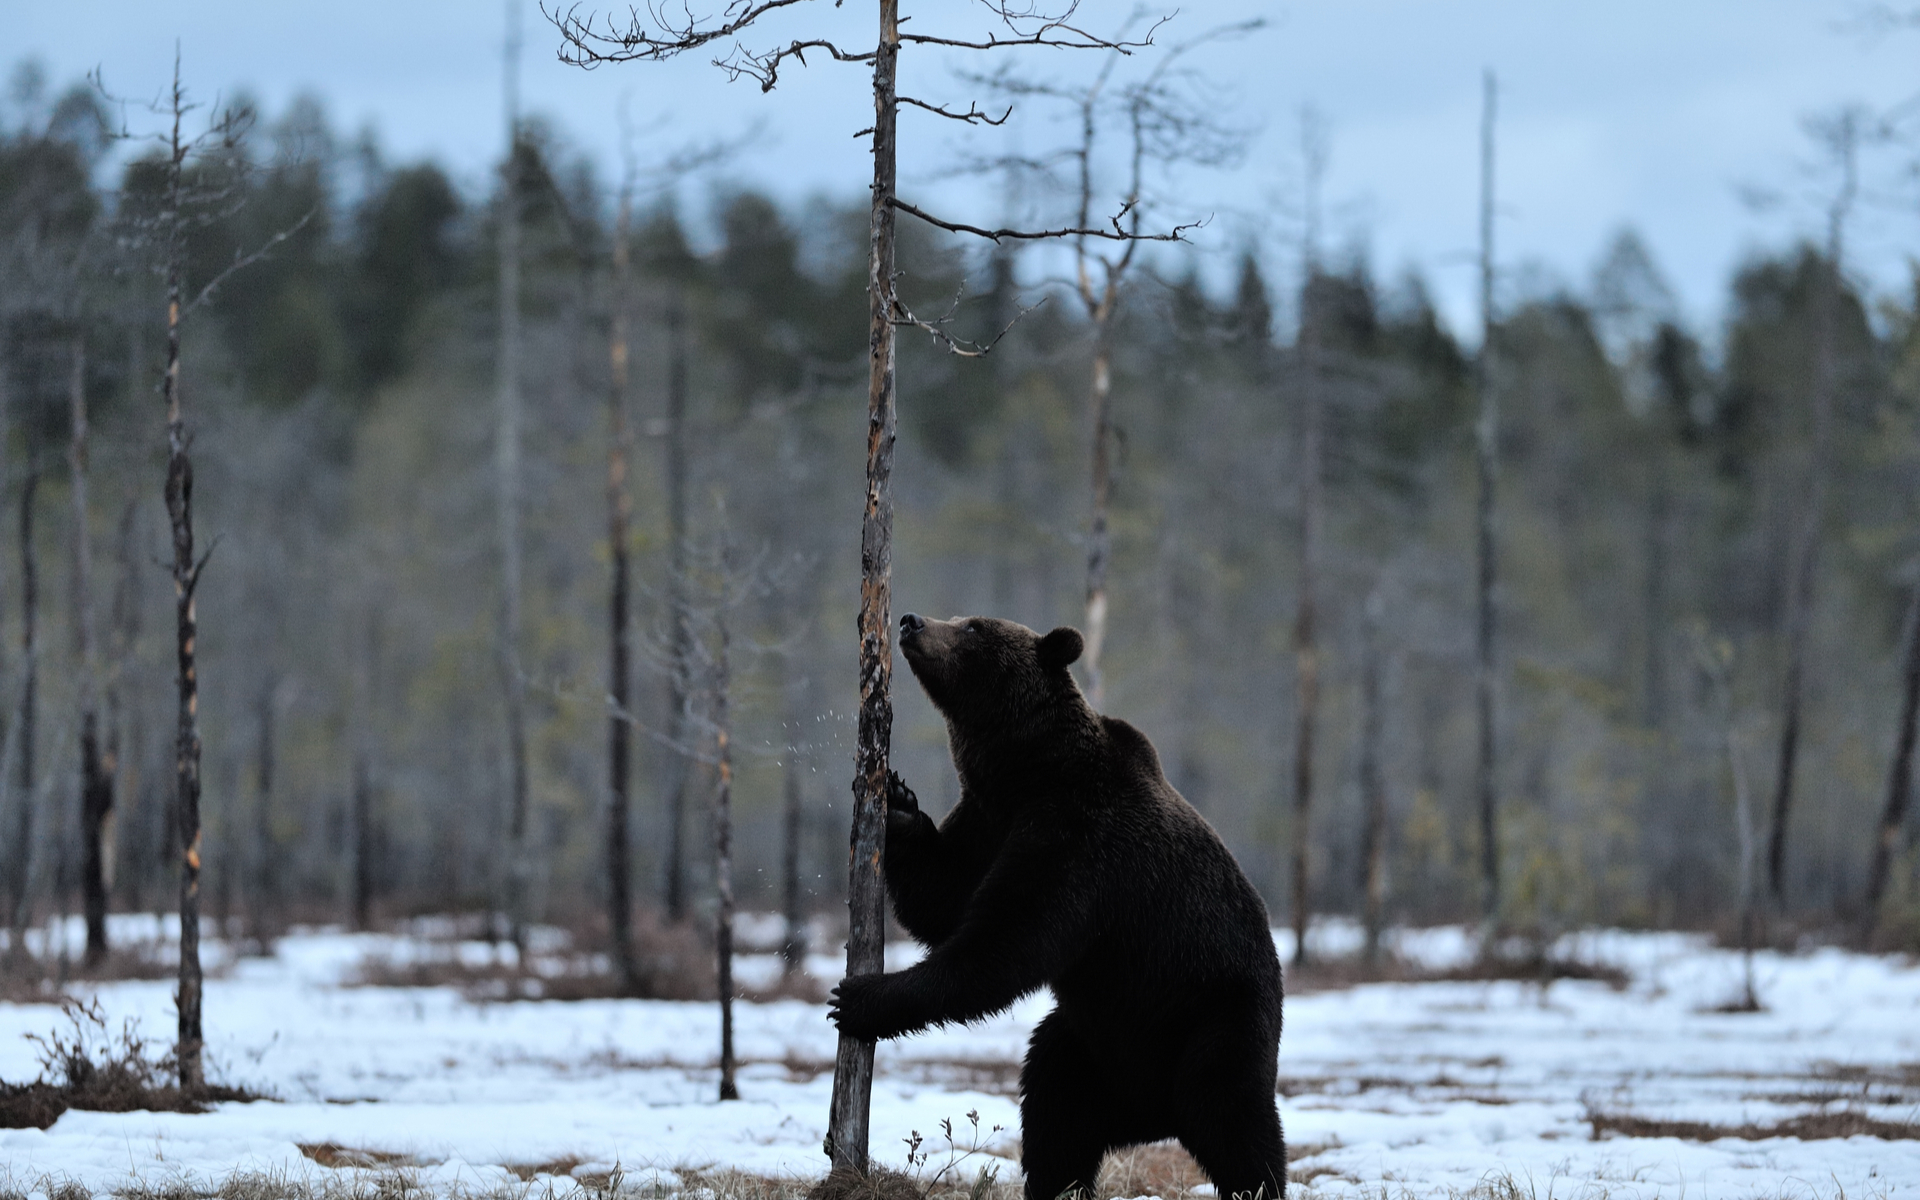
<point>1817,1126</point>
<point>877,1184</point>
<point>86,1067</point>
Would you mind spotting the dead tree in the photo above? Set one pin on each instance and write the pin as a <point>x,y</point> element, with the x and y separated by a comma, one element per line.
<point>1306,643</point>
<point>1167,119</point>
<point>1842,137</point>
<point>1715,659</point>
<point>29,712</point>
<point>1373,788</point>
<point>1899,776</point>
<point>185,203</point>
<point>679,617</point>
<point>662,34</point>
<point>793,947</point>
<point>519,874</point>
<point>619,617</point>
<point>1487,460</point>
<point>96,774</point>
<point>723,834</point>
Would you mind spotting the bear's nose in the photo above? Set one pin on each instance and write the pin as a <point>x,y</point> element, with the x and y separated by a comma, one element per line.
<point>911,624</point>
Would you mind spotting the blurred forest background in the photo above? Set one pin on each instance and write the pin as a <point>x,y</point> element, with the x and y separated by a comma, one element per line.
<point>1654,481</point>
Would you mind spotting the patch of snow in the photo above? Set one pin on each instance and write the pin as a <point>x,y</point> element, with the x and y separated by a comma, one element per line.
<point>1419,1089</point>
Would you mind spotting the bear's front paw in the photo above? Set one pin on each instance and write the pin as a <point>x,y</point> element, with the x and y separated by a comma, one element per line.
<point>858,1007</point>
<point>900,797</point>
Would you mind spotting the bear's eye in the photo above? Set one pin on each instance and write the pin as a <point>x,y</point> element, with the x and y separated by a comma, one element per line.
<point>973,627</point>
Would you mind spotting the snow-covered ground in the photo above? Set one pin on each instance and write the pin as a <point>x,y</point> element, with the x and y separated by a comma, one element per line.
<point>1418,1089</point>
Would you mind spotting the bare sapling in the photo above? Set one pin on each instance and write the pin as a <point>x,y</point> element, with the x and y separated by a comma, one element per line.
<point>188,201</point>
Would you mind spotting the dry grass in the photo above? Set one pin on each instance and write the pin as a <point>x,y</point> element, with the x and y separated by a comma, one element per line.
<point>85,1066</point>
<point>674,965</point>
<point>1338,974</point>
<point>1815,1126</point>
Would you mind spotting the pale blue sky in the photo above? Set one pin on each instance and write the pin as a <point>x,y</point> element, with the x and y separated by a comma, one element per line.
<point>1632,111</point>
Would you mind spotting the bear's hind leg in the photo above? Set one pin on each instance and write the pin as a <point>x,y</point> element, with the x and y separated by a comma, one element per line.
<point>1069,1117</point>
<point>1238,1143</point>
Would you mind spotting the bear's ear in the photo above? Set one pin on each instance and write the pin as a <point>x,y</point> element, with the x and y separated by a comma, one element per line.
<point>1061,648</point>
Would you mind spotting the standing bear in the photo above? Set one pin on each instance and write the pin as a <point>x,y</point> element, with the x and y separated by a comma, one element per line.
<point>1071,863</point>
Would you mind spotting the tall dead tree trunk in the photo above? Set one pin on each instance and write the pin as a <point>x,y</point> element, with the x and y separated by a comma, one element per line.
<point>96,776</point>
<point>1373,788</point>
<point>29,649</point>
<point>1899,776</point>
<point>186,579</point>
<point>1810,518</point>
<point>1099,540</point>
<point>723,840</point>
<point>866,891</point>
<point>1487,445</point>
<point>507,494</point>
<point>362,840</point>
<point>679,613</point>
<point>619,618</point>
<point>1306,640</point>
<point>793,947</point>
<point>266,872</point>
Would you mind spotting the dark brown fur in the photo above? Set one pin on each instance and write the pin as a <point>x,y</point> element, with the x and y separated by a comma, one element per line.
<point>1071,863</point>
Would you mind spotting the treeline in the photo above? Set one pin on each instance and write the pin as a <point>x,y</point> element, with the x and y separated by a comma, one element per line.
<point>1651,482</point>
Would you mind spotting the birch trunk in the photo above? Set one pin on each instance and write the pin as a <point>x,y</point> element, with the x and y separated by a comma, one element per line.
<point>1099,540</point>
<point>847,1125</point>
<point>1487,445</point>
<point>507,495</point>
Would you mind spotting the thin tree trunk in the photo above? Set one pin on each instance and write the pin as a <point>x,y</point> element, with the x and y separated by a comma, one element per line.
<point>1099,541</point>
<point>186,578</point>
<point>853,1062</point>
<point>619,620</point>
<point>507,491</point>
<point>362,840</point>
<point>1743,819</point>
<point>1487,442</point>
<point>1899,775</point>
<point>1654,600</point>
<point>1800,585</point>
<point>125,633</point>
<point>265,866</point>
<point>680,634</point>
<point>1306,643</point>
<point>723,849</point>
<point>793,948</point>
<point>96,777</point>
<point>1373,789</point>
<point>29,650</point>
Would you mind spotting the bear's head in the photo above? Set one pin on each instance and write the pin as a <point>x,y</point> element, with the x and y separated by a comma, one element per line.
<point>994,677</point>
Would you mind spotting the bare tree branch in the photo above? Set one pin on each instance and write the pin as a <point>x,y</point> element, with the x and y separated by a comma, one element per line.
<point>973,115</point>
<point>1116,234</point>
<point>241,261</point>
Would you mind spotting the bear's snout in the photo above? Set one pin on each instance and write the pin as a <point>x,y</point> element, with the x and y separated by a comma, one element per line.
<point>911,624</point>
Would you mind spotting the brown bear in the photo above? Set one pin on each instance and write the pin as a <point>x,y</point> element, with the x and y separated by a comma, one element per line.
<point>1070,862</point>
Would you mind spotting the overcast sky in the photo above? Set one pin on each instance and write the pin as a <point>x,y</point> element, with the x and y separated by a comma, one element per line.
<point>1653,114</point>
